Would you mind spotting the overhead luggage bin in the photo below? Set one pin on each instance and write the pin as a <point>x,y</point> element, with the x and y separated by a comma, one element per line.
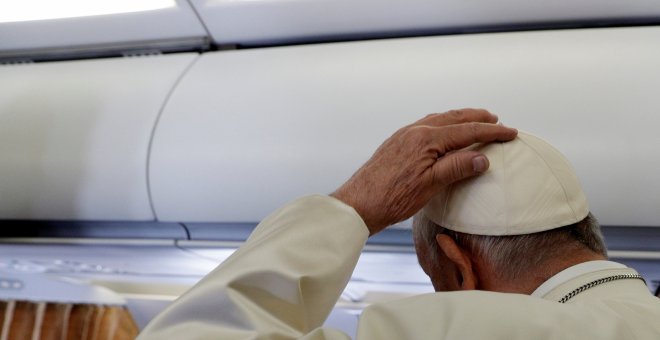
<point>43,30</point>
<point>74,136</point>
<point>268,22</point>
<point>249,130</point>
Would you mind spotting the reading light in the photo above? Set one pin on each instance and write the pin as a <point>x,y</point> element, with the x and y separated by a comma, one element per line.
<point>30,10</point>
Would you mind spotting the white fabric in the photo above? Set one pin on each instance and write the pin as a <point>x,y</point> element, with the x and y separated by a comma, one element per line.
<point>529,187</point>
<point>573,272</point>
<point>283,282</point>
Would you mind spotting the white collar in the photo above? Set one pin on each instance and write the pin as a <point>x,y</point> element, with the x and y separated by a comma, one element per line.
<point>573,272</point>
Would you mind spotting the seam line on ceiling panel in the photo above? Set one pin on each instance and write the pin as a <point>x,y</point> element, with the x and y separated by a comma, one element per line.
<point>185,228</point>
<point>155,127</point>
<point>201,21</point>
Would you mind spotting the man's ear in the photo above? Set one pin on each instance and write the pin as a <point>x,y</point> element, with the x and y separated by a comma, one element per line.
<point>461,259</point>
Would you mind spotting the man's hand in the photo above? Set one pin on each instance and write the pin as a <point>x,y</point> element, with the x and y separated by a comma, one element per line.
<point>410,167</point>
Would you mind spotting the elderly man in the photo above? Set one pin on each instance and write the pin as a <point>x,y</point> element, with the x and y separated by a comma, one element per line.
<point>514,252</point>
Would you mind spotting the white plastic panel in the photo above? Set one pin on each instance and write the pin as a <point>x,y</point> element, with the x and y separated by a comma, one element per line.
<point>250,130</point>
<point>270,21</point>
<point>176,24</point>
<point>74,136</point>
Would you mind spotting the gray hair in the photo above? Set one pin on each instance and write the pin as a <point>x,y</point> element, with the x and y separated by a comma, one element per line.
<point>514,255</point>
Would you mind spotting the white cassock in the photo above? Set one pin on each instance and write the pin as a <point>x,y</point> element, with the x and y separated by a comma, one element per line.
<point>284,281</point>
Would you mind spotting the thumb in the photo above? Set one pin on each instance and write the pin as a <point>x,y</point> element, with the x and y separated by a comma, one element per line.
<point>457,166</point>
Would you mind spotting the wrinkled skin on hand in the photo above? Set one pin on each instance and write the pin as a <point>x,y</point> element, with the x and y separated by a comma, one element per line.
<point>411,167</point>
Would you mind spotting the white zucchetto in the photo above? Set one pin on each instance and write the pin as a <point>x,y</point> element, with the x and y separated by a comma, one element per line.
<point>529,187</point>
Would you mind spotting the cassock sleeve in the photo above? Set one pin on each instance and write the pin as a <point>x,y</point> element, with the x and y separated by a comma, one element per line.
<point>281,284</point>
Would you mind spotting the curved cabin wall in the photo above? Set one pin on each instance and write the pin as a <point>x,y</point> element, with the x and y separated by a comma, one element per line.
<point>249,130</point>
<point>74,136</point>
<point>245,131</point>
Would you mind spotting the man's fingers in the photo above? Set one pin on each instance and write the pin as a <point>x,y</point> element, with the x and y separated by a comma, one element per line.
<point>457,166</point>
<point>459,136</point>
<point>458,117</point>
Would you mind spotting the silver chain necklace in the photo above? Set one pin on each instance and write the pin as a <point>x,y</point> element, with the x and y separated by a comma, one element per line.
<point>599,282</point>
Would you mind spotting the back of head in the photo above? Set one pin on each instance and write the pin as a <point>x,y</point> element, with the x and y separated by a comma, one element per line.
<point>526,210</point>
